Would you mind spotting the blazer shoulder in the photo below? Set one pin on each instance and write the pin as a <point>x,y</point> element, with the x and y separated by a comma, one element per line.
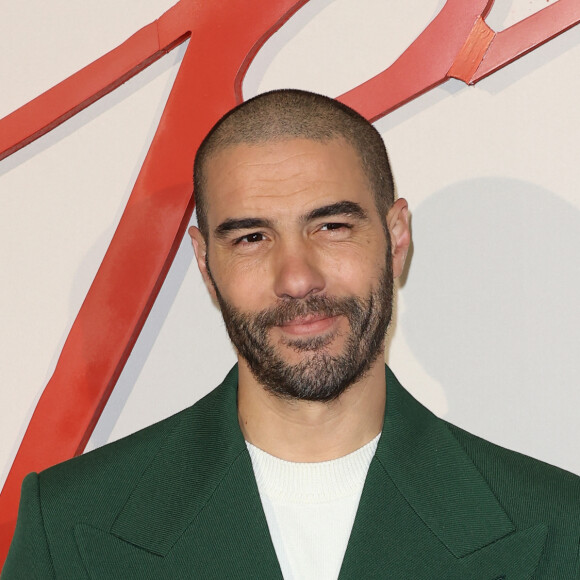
<point>127,457</point>
<point>525,479</point>
<point>99,482</point>
<point>93,487</point>
<point>532,492</point>
<point>126,454</point>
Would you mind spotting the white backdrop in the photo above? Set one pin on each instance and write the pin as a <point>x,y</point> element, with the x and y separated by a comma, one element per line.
<point>487,328</point>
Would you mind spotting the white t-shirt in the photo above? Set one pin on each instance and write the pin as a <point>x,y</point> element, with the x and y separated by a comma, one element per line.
<point>310,508</point>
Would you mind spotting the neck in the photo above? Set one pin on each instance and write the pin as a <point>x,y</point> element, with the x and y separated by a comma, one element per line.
<point>309,431</point>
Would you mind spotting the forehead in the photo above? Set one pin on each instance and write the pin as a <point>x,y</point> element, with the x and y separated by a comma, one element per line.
<point>283,176</point>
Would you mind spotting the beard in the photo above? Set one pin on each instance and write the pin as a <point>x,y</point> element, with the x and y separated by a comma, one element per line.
<point>319,375</point>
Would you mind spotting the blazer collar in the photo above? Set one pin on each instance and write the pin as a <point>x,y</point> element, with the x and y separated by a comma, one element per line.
<point>436,477</point>
<point>189,466</point>
<point>427,512</point>
<point>197,505</point>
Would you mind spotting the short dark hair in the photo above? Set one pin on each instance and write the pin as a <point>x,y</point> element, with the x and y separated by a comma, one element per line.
<point>294,114</point>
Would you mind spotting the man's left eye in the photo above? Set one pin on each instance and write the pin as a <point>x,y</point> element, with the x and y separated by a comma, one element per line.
<point>334,226</point>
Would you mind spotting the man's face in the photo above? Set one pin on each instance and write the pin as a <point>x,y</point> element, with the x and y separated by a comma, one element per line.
<point>298,259</point>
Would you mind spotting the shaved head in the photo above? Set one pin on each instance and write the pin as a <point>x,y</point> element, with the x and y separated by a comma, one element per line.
<point>294,114</point>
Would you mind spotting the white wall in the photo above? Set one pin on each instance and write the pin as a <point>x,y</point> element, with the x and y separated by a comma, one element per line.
<point>487,331</point>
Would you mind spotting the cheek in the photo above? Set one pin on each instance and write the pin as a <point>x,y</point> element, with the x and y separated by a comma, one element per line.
<point>352,275</point>
<point>360,262</point>
<point>243,288</point>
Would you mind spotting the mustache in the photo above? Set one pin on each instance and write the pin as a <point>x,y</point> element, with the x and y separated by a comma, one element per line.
<point>284,312</point>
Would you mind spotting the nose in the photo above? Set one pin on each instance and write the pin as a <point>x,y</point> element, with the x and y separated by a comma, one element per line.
<point>297,271</point>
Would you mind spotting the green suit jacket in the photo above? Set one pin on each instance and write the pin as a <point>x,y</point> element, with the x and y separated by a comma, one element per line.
<point>179,500</point>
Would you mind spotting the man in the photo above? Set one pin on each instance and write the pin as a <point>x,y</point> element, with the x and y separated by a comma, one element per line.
<point>310,460</point>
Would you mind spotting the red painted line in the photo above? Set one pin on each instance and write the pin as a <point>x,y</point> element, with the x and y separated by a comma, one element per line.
<point>528,34</point>
<point>472,52</point>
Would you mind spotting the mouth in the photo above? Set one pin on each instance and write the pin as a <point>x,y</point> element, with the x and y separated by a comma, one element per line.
<point>309,325</point>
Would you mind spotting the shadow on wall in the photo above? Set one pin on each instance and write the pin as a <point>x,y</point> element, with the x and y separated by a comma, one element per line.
<point>492,312</point>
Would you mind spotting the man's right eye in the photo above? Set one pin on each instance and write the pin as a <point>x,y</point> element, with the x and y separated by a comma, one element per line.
<point>250,238</point>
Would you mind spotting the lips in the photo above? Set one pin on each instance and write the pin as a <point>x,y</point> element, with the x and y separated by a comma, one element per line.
<point>306,319</point>
<point>310,324</point>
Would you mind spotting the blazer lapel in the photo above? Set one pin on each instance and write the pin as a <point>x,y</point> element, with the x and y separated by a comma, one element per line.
<point>426,511</point>
<point>196,511</point>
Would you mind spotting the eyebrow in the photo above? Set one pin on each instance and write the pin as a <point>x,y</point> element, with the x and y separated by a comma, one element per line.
<point>232,225</point>
<point>340,208</point>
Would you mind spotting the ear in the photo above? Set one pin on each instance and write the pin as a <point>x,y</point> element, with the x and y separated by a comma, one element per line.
<point>398,225</point>
<point>200,249</point>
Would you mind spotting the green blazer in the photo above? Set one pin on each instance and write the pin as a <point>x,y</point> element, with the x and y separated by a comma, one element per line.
<point>179,500</point>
